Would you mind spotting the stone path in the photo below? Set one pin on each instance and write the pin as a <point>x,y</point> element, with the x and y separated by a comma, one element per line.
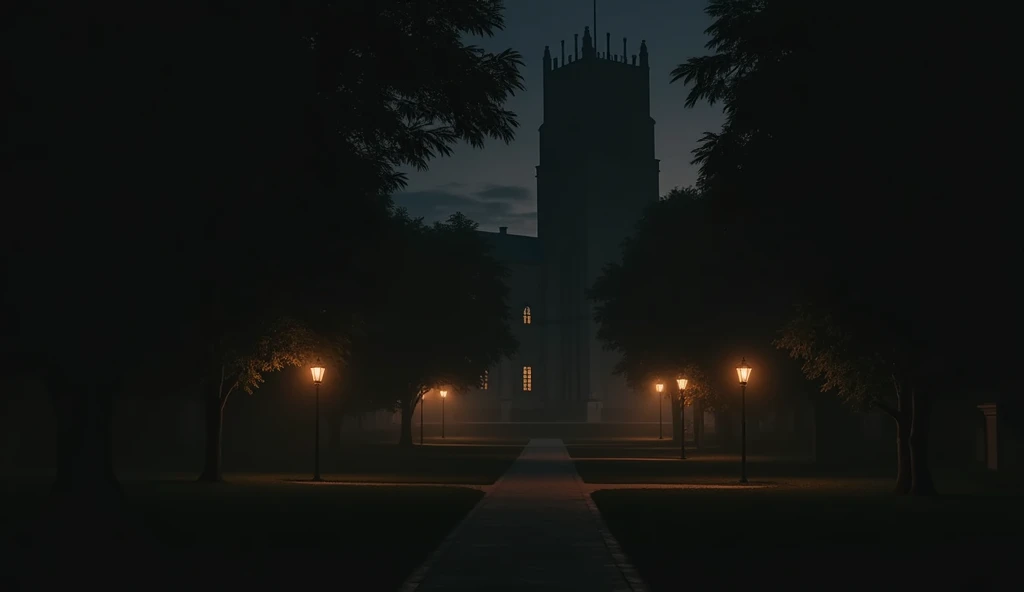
<point>536,530</point>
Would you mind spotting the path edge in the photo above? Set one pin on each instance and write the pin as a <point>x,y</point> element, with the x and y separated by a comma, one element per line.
<point>622,562</point>
<point>412,583</point>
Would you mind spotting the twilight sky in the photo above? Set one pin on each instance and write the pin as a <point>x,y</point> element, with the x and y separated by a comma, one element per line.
<point>496,186</point>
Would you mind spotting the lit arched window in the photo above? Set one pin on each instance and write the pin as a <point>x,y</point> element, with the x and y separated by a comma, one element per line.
<point>483,381</point>
<point>527,378</point>
<point>527,317</point>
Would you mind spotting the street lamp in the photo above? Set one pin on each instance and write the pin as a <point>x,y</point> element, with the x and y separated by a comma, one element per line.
<point>317,370</point>
<point>444,395</point>
<point>422,398</point>
<point>743,373</point>
<point>659,387</point>
<point>681,383</point>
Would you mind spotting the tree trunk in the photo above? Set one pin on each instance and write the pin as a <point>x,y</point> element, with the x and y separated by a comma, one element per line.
<point>405,437</point>
<point>921,475</point>
<point>213,467</point>
<point>903,457</point>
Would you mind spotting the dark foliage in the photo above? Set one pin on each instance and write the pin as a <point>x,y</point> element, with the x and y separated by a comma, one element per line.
<point>439,318</point>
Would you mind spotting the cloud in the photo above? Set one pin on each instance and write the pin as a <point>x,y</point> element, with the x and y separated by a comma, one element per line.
<point>492,206</point>
<point>509,192</point>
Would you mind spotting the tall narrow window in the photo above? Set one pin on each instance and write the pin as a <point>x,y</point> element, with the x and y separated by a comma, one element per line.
<point>527,317</point>
<point>483,381</point>
<point>527,378</point>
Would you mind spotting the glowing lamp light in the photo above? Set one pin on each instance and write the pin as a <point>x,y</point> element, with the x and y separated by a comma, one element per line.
<point>317,370</point>
<point>743,372</point>
<point>659,387</point>
<point>681,383</point>
<point>444,393</point>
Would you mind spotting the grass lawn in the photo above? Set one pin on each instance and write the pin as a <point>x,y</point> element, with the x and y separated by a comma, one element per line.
<point>259,534</point>
<point>813,539</point>
<point>437,462</point>
<point>659,462</point>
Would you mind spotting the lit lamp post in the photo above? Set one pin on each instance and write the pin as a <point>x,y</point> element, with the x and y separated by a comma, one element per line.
<point>743,373</point>
<point>444,395</point>
<point>659,387</point>
<point>681,383</point>
<point>422,398</point>
<point>317,370</point>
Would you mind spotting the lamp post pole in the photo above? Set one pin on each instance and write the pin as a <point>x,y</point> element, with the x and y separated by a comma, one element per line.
<point>659,388</point>
<point>421,420</point>
<point>681,383</point>
<point>318,376</point>
<point>682,427</point>
<point>743,433</point>
<point>316,431</point>
<point>660,405</point>
<point>743,373</point>
<point>444,395</point>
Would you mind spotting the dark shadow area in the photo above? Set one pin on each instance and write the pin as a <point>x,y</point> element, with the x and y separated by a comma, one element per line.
<point>480,465</point>
<point>742,538</point>
<point>272,535</point>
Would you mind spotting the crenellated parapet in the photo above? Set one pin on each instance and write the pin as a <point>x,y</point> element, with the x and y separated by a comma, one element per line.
<point>590,52</point>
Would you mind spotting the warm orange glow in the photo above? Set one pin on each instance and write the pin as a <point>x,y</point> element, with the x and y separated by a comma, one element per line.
<point>527,378</point>
<point>527,316</point>
<point>743,371</point>
<point>681,383</point>
<point>317,370</point>
<point>659,387</point>
<point>444,393</point>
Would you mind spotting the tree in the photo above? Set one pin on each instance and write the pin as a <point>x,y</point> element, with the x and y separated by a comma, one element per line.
<point>862,193</point>
<point>232,187</point>
<point>661,307</point>
<point>440,318</point>
<point>864,372</point>
<point>285,343</point>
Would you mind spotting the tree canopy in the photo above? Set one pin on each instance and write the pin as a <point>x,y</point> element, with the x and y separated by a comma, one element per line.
<point>440,317</point>
<point>847,189</point>
<point>189,191</point>
<point>663,307</point>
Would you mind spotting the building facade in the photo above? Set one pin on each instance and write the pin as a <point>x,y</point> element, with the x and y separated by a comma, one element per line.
<point>596,175</point>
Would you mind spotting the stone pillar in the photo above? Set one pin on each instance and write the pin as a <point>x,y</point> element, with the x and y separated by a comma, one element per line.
<point>506,410</point>
<point>593,411</point>
<point>991,436</point>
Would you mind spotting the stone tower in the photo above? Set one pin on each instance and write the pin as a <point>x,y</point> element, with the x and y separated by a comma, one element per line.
<point>597,173</point>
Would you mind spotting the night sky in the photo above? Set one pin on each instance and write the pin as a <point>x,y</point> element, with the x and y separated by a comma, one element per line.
<point>496,186</point>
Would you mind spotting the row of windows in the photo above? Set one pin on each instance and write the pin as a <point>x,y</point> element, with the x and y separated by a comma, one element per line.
<point>527,379</point>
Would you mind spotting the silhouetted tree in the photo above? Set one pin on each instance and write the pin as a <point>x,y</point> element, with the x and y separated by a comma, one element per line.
<point>660,306</point>
<point>285,343</point>
<point>845,200</point>
<point>440,319</point>
<point>220,173</point>
<point>862,367</point>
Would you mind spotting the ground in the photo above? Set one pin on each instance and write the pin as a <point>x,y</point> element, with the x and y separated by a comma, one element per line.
<point>384,510</point>
<point>254,530</point>
<point>689,523</point>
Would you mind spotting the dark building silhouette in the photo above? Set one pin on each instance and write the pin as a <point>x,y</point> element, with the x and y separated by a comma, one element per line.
<point>596,175</point>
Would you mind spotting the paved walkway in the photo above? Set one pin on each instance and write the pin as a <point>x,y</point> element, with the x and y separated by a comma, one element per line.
<point>536,530</point>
